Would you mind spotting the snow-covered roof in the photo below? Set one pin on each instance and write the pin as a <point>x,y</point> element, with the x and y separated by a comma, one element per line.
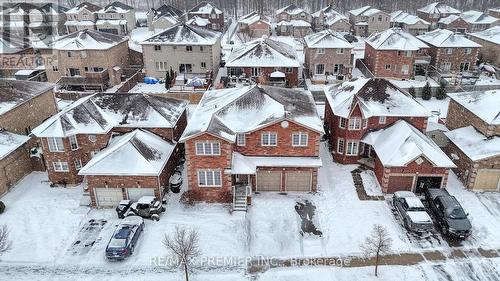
<point>491,34</point>
<point>80,23</point>
<point>438,8</point>
<point>474,144</point>
<point>11,43</point>
<point>166,11</point>
<point>87,40</point>
<point>449,19</point>
<point>444,38</point>
<point>295,23</point>
<point>251,18</point>
<point>327,39</point>
<point>84,5</point>
<point>329,11</point>
<point>224,113</point>
<point>111,22</point>
<point>401,144</point>
<point>291,10</point>
<point>138,153</point>
<point>198,21</point>
<point>435,126</point>
<point>395,39</point>
<point>182,34</point>
<point>476,17</point>
<point>205,8</point>
<point>375,96</point>
<point>116,7</point>
<point>10,142</point>
<point>99,113</point>
<point>484,104</point>
<point>247,165</point>
<point>263,52</point>
<point>16,92</point>
<point>365,11</point>
<point>405,18</point>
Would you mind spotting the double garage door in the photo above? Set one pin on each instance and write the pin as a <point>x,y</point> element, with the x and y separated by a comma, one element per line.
<point>294,181</point>
<point>110,197</point>
<point>487,179</point>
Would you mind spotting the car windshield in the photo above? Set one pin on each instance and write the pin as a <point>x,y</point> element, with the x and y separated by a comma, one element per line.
<point>416,209</point>
<point>456,213</point>
<point>122,233</point>
<point>118,243</point>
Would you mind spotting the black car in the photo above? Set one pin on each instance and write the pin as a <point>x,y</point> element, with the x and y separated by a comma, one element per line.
<point>448,213</point>
<point>125,237</point>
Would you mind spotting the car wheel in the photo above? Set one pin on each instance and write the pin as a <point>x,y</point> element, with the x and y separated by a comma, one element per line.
<point>155,217</point>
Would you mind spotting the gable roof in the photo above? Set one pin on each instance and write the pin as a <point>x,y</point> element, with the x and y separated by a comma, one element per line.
<point>365,11</point>
<point>445,38</point>
<point>263,52</point>
<point>205,8</point>
<point>87,39</point>
<point>405,18</point>
<point>167,11</point>
<point>224,113</point>
<point>251,18</point>
<point>135,153</point>
<point>395,39</point>
<point>290,9</point>
<point>401,143</point>
<point>84,5</point>
<point>375,97</point>
<point>327,39</point>
<point>328,11</point>
<point>10,142</point>
<point>491,34</point>
<point>438,8</point>
<point>11,43</point>
<point>16,92</point>
<point>99,113</point>
<point>449,19</point>
<point>182,34</point>
<point>198,21</point>
<point>474,144</point>
<point>476,17</point>
<point>484,104</point>
<point>116,7</point>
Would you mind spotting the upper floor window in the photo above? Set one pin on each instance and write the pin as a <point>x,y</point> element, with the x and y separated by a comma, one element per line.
<point>60,166</point>
<point>288,69</point>
<point>365,123</point>
<point>299,139</point>
<point>468,51</point>
<point>321,51</point>
<point>269,139</point>
<point>340,51</point>
<point>157,47</point>
<point>381,120</point>
<point>255,71</point>
<point>189,48</point>
<point>201,48</point>
<point>354,123</point>
<point>352,148</point>
<point>78,164</point>
<point>448,51</point>
<point>207,148</point>
<point>203,64</point>
<point>380,18</point>
<point>387,67</point>
<point>240,139</point>
<point>55,144</point>
<point>340,146</point>
<point>342,122</point>
<point>73,142</point>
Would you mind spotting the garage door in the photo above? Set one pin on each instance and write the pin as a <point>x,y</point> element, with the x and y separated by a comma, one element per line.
<point>136,193</point>
<point>298,181</point>
<point>268,181</point>
<point>487,179</point>
<point>108,197</point>
<point>399,183</point>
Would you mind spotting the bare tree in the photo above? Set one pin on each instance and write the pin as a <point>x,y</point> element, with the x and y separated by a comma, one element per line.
<point>183,245</point>
<point>378,243</point>
<point>5,243</point>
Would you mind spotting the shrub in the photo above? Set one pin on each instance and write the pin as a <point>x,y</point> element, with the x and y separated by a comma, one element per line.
<point>2,207</point>
<point>426,92</point>
<point>412,91</point>
<point>441,92</point>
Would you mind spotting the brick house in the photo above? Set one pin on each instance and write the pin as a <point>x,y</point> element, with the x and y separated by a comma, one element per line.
<point>494,12</point>
<point>88,60</point>
<point>163,17</point>
<point>71,138</point>
<point>252,138</point>
<point>375,123</point>
<point>208,11</point>
<point>474,123</point>
<point>116,18</point>
<point>450,52</point>
<point>329,18</point>
<point>454,23</point>
<point>479,21</point>
<point>16,53</point>
<point>196,53</point>
<point>292,12</point>
<point>265,60</point>
<point>489,39</point>
<point>367,20</point>
<point>254,25</point>
<point>83,16</point>
<point>295,28</point>
<point>328,56</point>
<point>395,53</point>
<point>23,106</point>
<point>110,176</point>
<point>409,23</point>
<point>436,11</point>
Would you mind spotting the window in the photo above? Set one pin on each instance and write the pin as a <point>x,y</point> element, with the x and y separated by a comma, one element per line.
<point>73,142</point>
<point>467,51</point>
<point>448,51</point>
<point>55,68</point>
<point>55,144</point>
<point>71,54</point>
<point>405,69</point>
<point>255,71</point>
<point>201,48</point>
<point>380,18</point>
<point>203,64</point>
<point>60,166</point>
<point>157,47</point>
<point>240,139</point>
<point>299,139</point>
<point>207,148</point>
<point>161,65</point>
<point>92,138</point>
<point>387,67</point>
<point>74,71</point>
<point>340,146</point>
<point>320,51</point>
<point>354,123</point>
<point>338,68</point>
<point>209,178</point>
<point>320,69</point>
<point>446,66</point>
<point>381,120</point>
<point>269,139</point>
<point>464,66</point>
<point>189,48</point>
<point>342,122</point>
<point>340,51</point>
<point>288,69</point>
<point>78,164</point>
<point>352,148</point>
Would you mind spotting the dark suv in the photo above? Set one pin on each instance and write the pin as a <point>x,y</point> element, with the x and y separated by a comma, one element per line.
<point>448,213</point>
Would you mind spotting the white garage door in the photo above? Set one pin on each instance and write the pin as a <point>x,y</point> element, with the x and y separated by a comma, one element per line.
<point>298,181</point>
<point>487,179</point>
<point>268,181</point>
<point>108,197</point>
<point>136,193</point>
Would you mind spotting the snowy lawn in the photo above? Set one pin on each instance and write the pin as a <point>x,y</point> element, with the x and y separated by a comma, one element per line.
<point>158,88</point>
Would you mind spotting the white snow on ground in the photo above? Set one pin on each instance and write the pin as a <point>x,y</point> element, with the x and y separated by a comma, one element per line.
<point>486,80</point>
<point>438,108</point>
<point>149,88</point>
<point>417,83</point>
<point>370,183</point>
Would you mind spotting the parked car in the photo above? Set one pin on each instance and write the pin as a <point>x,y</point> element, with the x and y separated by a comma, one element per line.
<point>412,212</point>
<point>448,213</point>
<point>147,207</point>
<point>123,207</point>
<point>125,237</point>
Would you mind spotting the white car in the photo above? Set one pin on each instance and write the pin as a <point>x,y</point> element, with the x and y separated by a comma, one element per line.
<point>412,212</point>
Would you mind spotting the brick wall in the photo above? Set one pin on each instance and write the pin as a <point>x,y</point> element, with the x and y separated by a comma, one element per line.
<point>489,50</point>
<point>328,59</point>
<point>14,167</point>
<point>458,117</point>
<point>456,25</point>
<point>457,56</point>
<point>376,60</point>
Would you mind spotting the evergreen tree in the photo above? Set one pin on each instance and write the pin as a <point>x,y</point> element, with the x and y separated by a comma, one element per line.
<point>412,91</point>
<point>167,80</point>
<point>441,92</point>
<point>426,92</point>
